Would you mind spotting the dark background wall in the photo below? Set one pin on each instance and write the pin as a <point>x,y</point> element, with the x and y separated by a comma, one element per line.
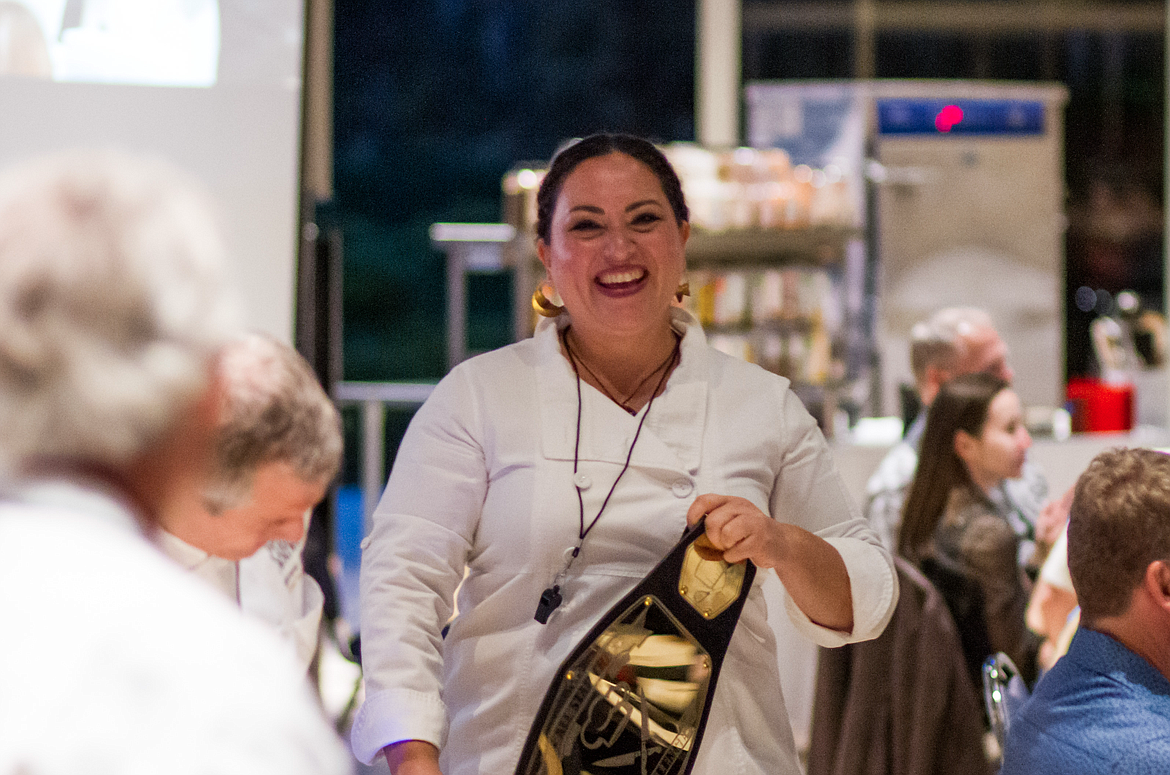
<point>436,99</point>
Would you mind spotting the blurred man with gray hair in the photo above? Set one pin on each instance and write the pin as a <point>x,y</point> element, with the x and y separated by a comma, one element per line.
<point>113,311</point>
<point>277,449</point>
<point>954,341</point>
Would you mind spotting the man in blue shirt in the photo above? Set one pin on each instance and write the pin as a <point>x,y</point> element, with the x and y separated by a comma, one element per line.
<point>1105,706</point>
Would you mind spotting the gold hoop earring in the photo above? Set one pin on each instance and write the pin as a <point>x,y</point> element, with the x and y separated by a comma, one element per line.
<point>548,304</point>
<point>683,289</point>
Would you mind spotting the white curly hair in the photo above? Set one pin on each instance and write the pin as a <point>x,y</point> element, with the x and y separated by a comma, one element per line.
<point>113,303</point>
<point>273,410</point>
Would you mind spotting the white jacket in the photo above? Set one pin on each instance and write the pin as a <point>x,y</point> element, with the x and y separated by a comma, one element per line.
<point>271,586</point>
<point>115,661</point>
<point>484,478</point>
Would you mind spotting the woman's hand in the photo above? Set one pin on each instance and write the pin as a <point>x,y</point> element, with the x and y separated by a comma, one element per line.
<point>412,757</point>
<point>739,529</point>
<point>811,570</point>
<point>1052,517</point>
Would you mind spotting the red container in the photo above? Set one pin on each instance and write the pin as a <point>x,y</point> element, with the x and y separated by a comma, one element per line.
<point>1098,407</point>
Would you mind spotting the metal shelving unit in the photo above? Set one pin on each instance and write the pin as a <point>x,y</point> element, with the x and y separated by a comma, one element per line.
<point>813,246</point>
<point>817,249</point>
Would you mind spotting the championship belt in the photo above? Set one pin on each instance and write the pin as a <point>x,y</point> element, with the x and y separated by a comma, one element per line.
<point>633,697</point>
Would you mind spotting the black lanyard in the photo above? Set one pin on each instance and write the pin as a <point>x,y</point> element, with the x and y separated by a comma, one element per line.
<point>551,597</point>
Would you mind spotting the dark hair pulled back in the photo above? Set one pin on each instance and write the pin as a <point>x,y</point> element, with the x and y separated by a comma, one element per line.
<point>962,404</point>
<point>567,159</point>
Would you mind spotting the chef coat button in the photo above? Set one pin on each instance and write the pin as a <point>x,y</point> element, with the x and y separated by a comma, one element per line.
<point>682,488</point>
<point>582,481</point>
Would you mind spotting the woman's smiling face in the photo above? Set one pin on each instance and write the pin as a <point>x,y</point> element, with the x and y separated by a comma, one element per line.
<point>615,252</point>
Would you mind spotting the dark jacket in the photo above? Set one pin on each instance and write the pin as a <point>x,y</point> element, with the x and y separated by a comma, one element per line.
<point>900,704</point>
<point>979,542</point>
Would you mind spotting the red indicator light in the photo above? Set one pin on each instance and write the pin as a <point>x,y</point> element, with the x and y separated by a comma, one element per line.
<point>948,117</point>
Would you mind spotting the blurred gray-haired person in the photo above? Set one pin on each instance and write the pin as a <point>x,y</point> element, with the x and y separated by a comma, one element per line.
<point>113,310</point>
<point>277,449</point>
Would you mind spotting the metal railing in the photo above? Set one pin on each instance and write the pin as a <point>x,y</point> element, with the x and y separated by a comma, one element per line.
<point>469,248</point>
<point>375,398</point>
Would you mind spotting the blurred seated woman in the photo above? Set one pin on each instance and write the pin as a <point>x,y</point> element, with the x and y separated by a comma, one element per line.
<point>577,458</point>
<point>974,439</point>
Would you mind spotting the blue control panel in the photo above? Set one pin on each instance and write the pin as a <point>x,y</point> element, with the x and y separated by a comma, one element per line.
<point>917,116</point>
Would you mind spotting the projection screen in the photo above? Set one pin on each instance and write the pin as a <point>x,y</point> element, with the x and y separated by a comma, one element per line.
<point>213,86</point>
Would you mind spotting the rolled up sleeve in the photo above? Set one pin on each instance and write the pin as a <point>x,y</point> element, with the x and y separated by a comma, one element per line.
<point>810,493</point>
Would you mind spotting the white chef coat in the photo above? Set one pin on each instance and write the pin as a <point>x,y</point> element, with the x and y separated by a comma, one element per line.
<point>271,586</point>
<point>113,661</point>
<point>484,477</point>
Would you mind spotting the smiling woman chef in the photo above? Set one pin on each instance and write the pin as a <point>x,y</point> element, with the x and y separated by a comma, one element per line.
<point>578,457</point>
